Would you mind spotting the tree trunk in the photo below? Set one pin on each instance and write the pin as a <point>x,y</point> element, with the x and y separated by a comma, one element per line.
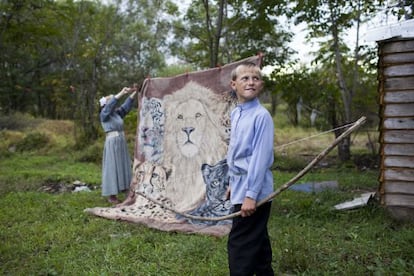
<point>214,38</point>
<point>273,106</point>
<point>218,33</point>
<point>344,149</point>
<point>344,146</point>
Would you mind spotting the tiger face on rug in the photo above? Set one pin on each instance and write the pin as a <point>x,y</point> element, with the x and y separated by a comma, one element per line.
<point>215,204</point>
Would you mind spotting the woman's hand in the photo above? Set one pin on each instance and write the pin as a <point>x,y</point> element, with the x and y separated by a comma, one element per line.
<point>121,93</point>
<point>133,90</point>
<point>128,90</point>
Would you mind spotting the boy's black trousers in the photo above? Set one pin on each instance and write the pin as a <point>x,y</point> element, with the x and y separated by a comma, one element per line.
<point>248,246</point>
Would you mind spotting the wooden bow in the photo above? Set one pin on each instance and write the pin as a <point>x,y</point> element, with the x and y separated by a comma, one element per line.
<point>285,186</point>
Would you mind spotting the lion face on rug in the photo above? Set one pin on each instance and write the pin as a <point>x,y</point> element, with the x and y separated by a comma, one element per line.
<point>193,125</point>
<point>193,136</point>
<point>191,120</point>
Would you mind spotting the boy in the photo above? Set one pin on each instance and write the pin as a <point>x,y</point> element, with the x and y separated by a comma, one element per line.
<point>249,157</point>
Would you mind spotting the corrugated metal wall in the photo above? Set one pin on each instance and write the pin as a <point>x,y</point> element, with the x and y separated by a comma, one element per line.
<point>396,99</point>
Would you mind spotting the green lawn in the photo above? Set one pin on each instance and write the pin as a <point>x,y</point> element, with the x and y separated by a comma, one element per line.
<point>49,234</point>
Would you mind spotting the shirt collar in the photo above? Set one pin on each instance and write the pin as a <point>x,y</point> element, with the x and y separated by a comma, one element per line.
<point>249,104</point>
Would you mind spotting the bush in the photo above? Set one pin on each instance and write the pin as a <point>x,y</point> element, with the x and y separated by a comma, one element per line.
<point>92,153</point>
<point>8,140</point>
<point>288,163</point>
<point>18,121</point>
<point>32,141</point>
<point>130,122</point>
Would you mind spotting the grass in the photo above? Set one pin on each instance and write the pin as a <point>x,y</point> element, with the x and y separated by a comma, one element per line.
<point>49,234</point>
<point>54,236</point>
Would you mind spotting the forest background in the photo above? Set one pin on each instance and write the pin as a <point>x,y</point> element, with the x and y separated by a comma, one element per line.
<point>58,57</point>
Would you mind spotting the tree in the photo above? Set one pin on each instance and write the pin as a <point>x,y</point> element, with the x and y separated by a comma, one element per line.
<point>303,90</point>
<point>218,32</point>
<point>403,9</point>
<point>122,47</point>
<point>312,93</point>
<point>59,57</point>
<point>91,29</point>
<point>27,52</point>
<point>329,20</point>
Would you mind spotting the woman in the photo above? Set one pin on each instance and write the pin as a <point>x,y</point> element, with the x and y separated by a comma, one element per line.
<point>116,162</point>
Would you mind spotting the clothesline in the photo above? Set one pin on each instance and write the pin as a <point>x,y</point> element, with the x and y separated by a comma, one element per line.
<point>312,136</point>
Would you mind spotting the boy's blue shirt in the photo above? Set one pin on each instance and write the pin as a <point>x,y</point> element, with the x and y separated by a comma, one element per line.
<point>250,154</point>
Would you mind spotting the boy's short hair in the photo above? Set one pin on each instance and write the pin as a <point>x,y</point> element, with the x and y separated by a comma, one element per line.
<point>235,71</point>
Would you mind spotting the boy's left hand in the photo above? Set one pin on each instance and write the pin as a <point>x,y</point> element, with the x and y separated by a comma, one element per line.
<point>248,207</point>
